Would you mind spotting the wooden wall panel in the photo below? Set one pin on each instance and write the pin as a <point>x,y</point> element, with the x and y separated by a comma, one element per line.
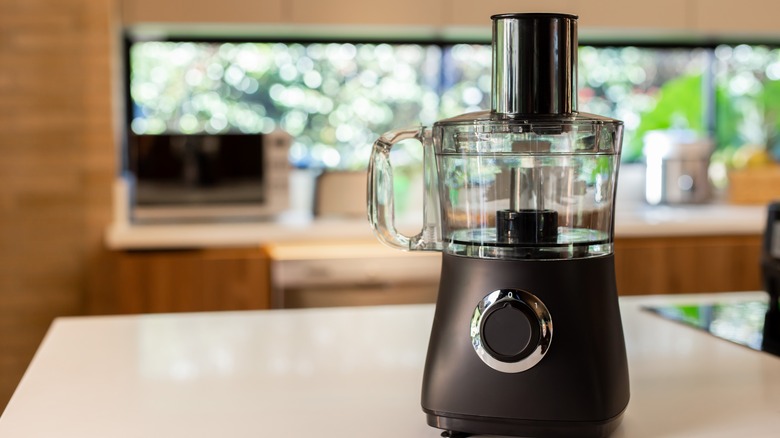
<point>55,76</point>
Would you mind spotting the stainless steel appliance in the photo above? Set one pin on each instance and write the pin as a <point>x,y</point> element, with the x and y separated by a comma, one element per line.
<point>527,337</point>
<point>678,164</point>
<point>177,177</point>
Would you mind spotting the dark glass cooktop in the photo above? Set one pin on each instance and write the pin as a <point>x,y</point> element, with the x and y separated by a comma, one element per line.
<point>740,322</point>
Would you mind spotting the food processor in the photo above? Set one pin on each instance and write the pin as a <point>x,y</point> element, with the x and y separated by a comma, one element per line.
<point>770,272</point>
<point>527,338</point>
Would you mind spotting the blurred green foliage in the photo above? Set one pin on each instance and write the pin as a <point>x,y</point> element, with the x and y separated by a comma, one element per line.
<point>336,98</point>
<point>679,105</point>
<point>770,100</point>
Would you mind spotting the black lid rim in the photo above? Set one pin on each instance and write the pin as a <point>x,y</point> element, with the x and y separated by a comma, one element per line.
<point>533,15</point>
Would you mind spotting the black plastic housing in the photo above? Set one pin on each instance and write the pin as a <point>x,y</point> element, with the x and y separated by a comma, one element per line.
<point>579,388</point>
<point>770,270</point>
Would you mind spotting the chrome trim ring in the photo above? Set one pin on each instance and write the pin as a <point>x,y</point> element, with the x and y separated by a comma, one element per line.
<point>500,297</point>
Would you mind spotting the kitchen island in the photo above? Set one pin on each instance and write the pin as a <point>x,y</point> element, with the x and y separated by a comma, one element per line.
<point>348,372</point>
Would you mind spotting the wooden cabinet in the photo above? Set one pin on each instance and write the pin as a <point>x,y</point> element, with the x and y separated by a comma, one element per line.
<point>202,11</point>
<point>727,17</point>
<point>611,15</point>
<point>671,265</point>
<point>631,17</point>
<point>471,13</point>
<point>618,18</point>
<point>183,281</point>
<point>404,12</point>
<point>239,279</point>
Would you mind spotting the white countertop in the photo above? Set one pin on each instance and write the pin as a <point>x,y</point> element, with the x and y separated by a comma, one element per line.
<point>639,221</point>
<point>693,220</point>
<point>346,372</point>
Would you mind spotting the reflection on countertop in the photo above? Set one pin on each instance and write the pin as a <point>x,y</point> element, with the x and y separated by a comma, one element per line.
<point>741,322</point>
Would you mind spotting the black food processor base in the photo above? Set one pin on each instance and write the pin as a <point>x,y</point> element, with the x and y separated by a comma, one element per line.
<point>578,388</point>
<point>497,426</point>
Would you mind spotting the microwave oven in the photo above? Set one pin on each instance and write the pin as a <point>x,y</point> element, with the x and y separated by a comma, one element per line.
<point>179,177</point>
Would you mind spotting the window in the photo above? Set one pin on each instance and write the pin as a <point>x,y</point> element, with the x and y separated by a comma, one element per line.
<point>646,88</point>
<point>748,113</point>
<point>335,98</point>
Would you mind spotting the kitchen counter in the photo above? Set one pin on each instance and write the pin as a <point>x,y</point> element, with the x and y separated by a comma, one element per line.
<point>693,220</point>
<point>346,372</point>
<point>639,221</point>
